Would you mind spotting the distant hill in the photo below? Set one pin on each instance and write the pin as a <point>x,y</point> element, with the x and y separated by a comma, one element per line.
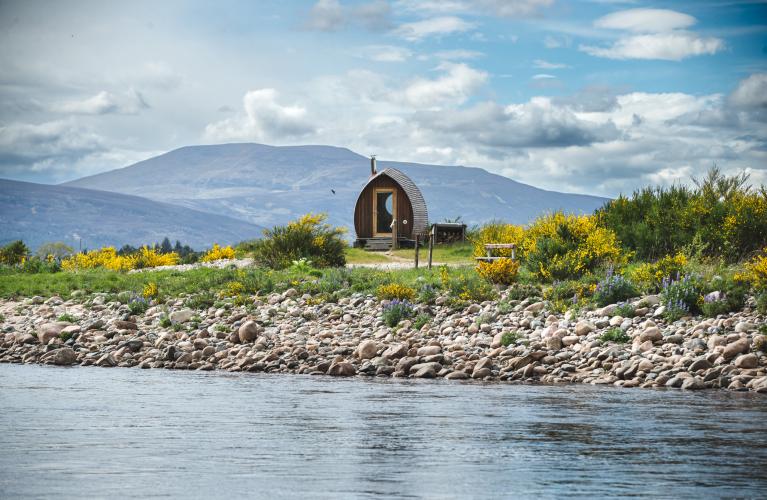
<point>38,213</point>
<point>270,185</point>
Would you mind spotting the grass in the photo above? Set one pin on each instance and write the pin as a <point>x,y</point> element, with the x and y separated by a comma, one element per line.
<point>458,253</point>
<point>360,256</point>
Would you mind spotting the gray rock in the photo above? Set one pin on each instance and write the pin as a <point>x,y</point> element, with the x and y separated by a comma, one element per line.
<point>747,361</point>
<point>49,331</point>
<point>248,331</point>
<point>63,357</point>
<point>342,369</point>
<point>738,347</point>
<point>367,349</point>
<point>396,351</point>
<point>693,384</point>
<point>181,316</point>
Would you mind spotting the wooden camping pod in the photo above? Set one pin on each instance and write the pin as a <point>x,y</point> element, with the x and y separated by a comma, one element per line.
<point>390,191</point>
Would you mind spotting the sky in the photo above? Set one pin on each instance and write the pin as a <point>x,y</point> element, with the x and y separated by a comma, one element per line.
<point>597,97</point>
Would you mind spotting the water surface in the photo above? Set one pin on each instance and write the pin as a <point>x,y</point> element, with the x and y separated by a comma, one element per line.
<point>94,432</point>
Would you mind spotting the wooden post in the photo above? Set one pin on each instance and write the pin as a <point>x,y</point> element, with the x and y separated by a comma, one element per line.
<point>394,235</point>
<point>416,251</point>
<point>431,245</point>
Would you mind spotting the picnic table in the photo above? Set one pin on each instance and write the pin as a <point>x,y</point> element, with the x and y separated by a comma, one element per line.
<point>489,247</point>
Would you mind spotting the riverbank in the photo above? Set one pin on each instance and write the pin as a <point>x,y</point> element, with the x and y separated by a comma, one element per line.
<point>500,340</point>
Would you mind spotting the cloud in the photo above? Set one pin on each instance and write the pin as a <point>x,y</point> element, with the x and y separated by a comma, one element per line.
<point>385,53</point>
<point>331,15</point>
<point>326,15</point>
<point>542,76</point>
<point>436,26</point>
<point>503,8</point>
<point>263,119</point>
<point>751,92</point>
<point>458,54</point>
<point>104,103</point>
<point>656,34</point>
<point>664,46</point>
<point>454,87</point>
<point>552,42</point>
<point>645,20</point>
<point>540,63</point>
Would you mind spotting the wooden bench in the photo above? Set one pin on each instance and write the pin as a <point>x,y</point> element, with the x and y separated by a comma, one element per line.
<point>489,247</point>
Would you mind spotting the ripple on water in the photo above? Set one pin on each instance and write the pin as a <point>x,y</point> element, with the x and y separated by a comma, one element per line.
<point>93,432</point>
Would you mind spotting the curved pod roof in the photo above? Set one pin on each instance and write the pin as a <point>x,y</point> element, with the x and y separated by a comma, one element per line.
<point>420,214</point>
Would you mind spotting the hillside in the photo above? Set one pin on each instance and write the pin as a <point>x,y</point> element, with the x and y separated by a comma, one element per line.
<point>268,185</point>
<point>38,213</point>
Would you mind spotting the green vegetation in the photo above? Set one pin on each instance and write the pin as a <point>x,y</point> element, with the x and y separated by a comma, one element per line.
<point>614,334</point>
<point>68,318</point>
<point>395,311</point>
<point>509,338</point>
<point>420,321</point>
<point>13,253</point>
<point>458,253</point>
<point>625,310</point>
<point>309,238</point>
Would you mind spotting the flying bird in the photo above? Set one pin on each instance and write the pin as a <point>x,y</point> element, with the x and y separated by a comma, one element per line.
<point>333,191</point>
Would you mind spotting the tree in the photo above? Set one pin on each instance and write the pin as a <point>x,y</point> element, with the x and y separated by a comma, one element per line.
<point>13,253</point>
<point>165,246</point>
<point>57,249</point>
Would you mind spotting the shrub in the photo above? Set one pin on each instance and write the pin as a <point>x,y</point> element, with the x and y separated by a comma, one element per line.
<point>64,336</point>
<point>523,291</point>
<point>165,321</point>
<point>420,321</point>
<point>560,246</point>
<point>427,294</point>
<point>721,215</point>
<point>308,237</point>
<point>395,291</point>
<point>108,258</point>
<point>150,291</point>
<point>218,253</point>
<point>509,338</point>
<point>395,311</point>
<point>614,334</point>
<point>68,318</point>
<point>470,288</point>
<point>232,289</point>
<point>55,250</point>
<point>681,297</point>
<point>496,232</point>
<point>203,300</point>
<point>625,310</point>
<point>35,265</point>
<point>650,275</point>
<point>138,305</point>
<point>761,302</point>
<point>13,253</point>
<point>500,271</point>
<point>614,288</point>
<point>755,272</point>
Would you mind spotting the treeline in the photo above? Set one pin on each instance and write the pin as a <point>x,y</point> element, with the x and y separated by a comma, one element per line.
<point>719,216</point>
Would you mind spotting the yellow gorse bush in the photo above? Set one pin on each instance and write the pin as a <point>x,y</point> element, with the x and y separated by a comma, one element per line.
<point>500,271</point>
<point>150,290</point>
<point>755,272</point>
<point>395,291</point>
<point>107,258</point>
<point>562,246</point>
<point>652,273</point>
<point>497,232</point>
<point>218,253</point>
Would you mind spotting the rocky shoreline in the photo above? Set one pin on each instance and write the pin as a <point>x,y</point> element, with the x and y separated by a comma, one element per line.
<point>288,333</point>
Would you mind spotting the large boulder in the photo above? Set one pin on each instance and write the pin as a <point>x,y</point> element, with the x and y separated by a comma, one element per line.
<point>342,369</point>
<point>181,316</point>
<point>367,349</point>
<point>49,331</point>
<point>64,357</point>
<point>584,327</point>
<point>248,331</point>
<point>740,346</point>
<point>396,351</point>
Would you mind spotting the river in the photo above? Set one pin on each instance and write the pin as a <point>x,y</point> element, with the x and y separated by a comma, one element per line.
<point>122,433</point>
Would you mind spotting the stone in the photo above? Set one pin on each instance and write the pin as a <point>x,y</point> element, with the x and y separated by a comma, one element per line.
<point>424,371</point>
<point>107,360</point>
<point>64,356</point>
<point>248,331</point>
<point>396,351</point>
<point>342,369</point>
<point>483,363</point>
<point>607,310</point>
<point>125,325</point>
<point>554,343</point>
<point>693,384</point>
<point>700,364</point>
<point>570,340</point>
<point>738,347</point>
<point>535,307</point>
<point>744,326</point>
<point>50,331</point>
<point>652,334</point>
<point>429,350</point>
<point>456,375</point>
<point>481,373</point>
<point>181,316</point>
<point>584,328</point>
<point>645,366</point>
<point>747,361</point>
<point>367,349</point>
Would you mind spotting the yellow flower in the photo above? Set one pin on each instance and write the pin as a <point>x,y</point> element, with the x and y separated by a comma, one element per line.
<point>218,253</point>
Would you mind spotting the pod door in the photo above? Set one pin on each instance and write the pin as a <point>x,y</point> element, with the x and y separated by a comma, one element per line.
<point>384,211</point>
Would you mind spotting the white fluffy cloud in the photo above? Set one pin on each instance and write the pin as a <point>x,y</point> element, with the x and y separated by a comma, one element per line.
<point>385,53</point>
<point>645,20</point>
<point>104,103</point>
<point>263,119</point>
<point>751,92</point>
<point>455,86</point>
<point>433,27</point>
<point>504,8</point>
<point>656,34</point>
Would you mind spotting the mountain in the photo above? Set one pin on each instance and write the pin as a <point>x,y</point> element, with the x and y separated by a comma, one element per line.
<point>38,213</point>
<point>270,185</point>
